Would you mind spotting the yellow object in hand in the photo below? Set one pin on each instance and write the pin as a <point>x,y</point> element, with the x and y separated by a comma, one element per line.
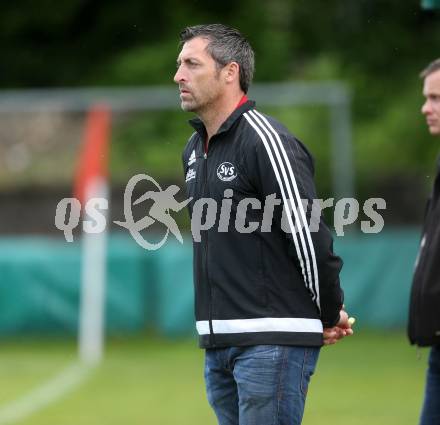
<point>351,321</point>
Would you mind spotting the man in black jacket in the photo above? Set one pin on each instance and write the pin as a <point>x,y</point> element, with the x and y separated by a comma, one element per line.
<point>424,317</point>
<point>267,293</point>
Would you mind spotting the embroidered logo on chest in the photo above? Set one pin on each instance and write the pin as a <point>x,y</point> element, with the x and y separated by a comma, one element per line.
<point>226,171</point>
<point>192,158</point>
<point>191,174</point>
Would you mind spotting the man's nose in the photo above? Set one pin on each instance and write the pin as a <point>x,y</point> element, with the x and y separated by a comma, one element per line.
<point>178,76</point>
<point>426,108</point>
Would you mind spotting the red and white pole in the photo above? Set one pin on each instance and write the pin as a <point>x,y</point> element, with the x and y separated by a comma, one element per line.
<point>92,183</point>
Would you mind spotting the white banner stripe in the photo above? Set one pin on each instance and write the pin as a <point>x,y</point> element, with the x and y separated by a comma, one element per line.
<point>266,324</point>
<point>306,229</point>
<point>277,175</point>
<point>308,281</point>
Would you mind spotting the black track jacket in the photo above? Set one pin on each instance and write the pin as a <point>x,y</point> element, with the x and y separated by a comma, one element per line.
<point>424,315</point>
<point>256,283</point>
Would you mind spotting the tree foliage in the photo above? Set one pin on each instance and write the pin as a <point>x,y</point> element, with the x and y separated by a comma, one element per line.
<point>377,47</point>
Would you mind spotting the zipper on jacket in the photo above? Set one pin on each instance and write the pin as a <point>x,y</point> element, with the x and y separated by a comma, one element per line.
<point>418,289</point>
<point>211,330</point>
<point>416,322</point>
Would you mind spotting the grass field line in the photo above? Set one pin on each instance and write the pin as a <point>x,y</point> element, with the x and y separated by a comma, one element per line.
<point>44,395</point>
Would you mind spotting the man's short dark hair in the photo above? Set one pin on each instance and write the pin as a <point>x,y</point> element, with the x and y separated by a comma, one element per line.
<point>432,67</point>
<point>225,45</point>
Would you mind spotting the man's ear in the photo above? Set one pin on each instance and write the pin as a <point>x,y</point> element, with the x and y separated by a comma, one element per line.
<point>232,71</point>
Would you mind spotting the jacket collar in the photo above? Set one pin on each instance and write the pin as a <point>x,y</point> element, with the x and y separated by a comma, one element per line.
<point>198,125</point>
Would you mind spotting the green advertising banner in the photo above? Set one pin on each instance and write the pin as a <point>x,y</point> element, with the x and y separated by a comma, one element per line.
<point>40,281</point>
<point>430,4</point>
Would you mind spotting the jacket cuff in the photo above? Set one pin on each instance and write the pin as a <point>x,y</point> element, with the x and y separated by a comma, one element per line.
<point>331,323</point>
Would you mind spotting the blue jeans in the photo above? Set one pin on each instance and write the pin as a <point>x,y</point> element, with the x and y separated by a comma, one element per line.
<point>431,406</point>
<point>259,385</point>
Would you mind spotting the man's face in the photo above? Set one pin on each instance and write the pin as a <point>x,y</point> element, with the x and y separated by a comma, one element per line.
<point>431,107</point>
<point>198,78</point>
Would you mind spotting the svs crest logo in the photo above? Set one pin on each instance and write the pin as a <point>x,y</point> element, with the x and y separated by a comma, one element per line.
<point>226,172</point>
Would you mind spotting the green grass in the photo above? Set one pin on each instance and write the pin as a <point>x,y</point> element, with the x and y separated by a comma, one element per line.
<point>369,379</point>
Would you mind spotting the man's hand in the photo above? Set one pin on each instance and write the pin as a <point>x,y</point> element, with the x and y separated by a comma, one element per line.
<point>341,330</point>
